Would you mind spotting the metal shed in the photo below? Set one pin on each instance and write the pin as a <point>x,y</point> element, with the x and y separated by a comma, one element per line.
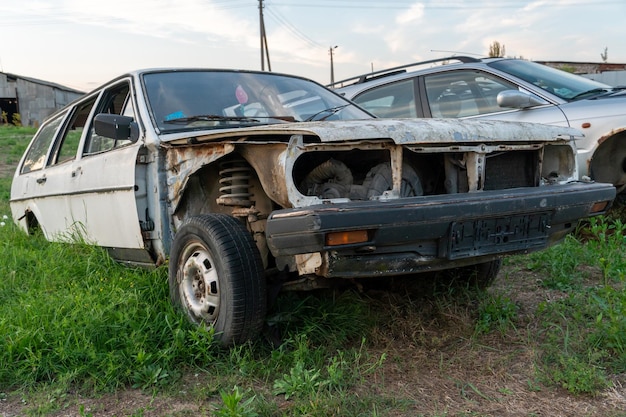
<point>33,99</point>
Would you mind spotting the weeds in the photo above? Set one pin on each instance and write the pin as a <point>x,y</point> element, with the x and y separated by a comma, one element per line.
<point>496,312</point>
<point>234,404</point>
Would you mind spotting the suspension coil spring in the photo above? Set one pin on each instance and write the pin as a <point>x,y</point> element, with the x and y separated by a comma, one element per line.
<point>235,183</point>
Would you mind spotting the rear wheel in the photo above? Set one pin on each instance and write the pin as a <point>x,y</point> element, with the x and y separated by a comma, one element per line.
<point>216,277</point>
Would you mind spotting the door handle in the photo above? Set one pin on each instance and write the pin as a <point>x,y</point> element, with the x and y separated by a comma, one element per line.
<point>41,180</point>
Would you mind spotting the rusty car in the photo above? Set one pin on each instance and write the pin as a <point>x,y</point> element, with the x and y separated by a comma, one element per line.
<point>239,181</point>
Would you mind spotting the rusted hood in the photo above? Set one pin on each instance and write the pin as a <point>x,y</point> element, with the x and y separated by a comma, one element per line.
<point>401,131</point>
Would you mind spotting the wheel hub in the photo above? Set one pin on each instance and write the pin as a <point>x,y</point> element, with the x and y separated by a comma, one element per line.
<point>199,287</point>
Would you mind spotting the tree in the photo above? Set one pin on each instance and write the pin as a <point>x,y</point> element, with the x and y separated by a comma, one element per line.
<point>604,55</point>
<point>496,50</point>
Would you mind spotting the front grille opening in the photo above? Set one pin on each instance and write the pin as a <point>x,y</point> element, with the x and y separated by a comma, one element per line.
<point>511,170</point>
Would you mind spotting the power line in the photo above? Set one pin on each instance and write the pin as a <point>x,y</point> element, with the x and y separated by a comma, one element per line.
<point>379,4</point>
<point>291,28</point>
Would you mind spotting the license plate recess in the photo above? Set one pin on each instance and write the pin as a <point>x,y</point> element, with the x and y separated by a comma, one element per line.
<point>498,235</point>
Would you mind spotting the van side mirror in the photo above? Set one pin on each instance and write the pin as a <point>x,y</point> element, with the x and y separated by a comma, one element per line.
<point>116,126</point>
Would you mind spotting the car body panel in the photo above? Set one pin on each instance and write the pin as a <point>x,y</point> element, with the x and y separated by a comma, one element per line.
<point>412,131</point>
<point>452,227</point>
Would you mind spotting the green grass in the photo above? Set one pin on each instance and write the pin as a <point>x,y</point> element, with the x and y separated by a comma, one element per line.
<point>71,320</point>
<point>584,332</point>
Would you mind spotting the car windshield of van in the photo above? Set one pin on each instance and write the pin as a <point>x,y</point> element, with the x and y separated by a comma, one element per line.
<point>191,100</point>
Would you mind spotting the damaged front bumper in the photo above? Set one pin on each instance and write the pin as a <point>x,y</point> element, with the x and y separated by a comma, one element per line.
<point>408,235</point>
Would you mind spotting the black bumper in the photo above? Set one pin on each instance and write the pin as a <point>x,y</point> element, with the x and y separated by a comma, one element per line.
<point>435,232</point>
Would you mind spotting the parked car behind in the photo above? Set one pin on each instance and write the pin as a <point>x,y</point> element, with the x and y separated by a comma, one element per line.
<point>506,89</point>
<point>242,180</point>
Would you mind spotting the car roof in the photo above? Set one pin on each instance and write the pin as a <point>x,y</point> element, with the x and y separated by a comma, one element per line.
<point>401,72</point>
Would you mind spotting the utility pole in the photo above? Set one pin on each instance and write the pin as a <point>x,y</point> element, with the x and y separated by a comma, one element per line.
<point>332,68</point>
<point>265,53</point>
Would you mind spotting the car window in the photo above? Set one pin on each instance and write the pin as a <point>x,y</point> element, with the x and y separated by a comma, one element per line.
<point>560,83</point>
<point>464,93</point>
<point>390,100</point>
<point>67,147</point>
<point>35,158</point>
<point>193,100</point>
<point>115,100</point>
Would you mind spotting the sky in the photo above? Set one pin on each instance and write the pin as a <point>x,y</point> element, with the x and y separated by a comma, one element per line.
<point>84,43</point>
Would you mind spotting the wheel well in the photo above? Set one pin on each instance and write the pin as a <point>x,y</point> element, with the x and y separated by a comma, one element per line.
<point>225,186</point>
<point>229,186</point>
<point>608,163</point>
<point>32,224</point>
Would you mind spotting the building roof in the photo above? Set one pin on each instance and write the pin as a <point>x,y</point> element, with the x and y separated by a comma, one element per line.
<point>42,82</point>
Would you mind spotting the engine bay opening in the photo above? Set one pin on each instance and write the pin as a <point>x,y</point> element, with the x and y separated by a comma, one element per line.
<point>360,174</point>
<point>366,174</point>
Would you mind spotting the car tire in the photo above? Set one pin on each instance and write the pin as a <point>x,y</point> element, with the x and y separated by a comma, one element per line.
<point>479,276</point>
<point>216,277</point>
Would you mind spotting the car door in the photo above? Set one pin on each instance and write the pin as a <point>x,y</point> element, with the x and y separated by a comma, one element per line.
<point>472,93</point>
<point>38,190</point>
<point>103,183</point>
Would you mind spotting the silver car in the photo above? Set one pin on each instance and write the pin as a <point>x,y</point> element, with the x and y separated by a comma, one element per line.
<point>506,89</point>
<point>241,180</point>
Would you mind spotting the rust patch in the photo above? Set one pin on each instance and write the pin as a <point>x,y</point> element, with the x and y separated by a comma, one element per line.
<point>182,162</point>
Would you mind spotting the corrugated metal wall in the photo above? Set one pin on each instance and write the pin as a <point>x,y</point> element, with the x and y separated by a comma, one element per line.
<point>36,101</point>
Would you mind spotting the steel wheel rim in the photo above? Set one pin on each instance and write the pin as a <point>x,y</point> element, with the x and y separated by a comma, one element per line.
<point>199,284</point>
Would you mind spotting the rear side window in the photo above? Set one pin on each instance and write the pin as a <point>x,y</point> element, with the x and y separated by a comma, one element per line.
<point>36,156</point>
<point>390,100</point>
<point>67,148</point>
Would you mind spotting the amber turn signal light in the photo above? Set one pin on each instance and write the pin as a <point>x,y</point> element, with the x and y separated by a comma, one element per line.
<point>599,206</point>
<point>346,238</point>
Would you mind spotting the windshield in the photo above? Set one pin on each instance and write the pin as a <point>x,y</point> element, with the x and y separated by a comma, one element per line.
<point>560,83</point>
<point>185,100</point>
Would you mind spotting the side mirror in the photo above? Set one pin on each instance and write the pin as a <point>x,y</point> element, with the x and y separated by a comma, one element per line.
<point>116,126</point>
<point>518,99</point>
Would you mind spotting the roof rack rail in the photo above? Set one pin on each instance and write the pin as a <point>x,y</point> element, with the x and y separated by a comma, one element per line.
<point>359,79</point>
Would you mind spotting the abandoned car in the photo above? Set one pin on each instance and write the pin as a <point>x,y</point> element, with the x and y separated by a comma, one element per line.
<point>506,89</point>
<point>239,179</point>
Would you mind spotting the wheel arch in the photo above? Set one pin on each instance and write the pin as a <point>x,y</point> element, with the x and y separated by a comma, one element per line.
<point>608,162</point>
<point>232,186</point>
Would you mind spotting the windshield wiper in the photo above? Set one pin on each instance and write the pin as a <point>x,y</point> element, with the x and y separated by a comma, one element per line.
<point>210,118</point>
<point>590,92</point>
<point>218,118</point>
<point>330,111</point>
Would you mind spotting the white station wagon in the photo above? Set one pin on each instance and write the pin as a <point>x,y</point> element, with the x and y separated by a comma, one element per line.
<point>244,179</point>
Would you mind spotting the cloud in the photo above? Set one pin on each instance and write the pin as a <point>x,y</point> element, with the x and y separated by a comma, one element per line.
<point>413,14</point>
<point>181,20</point>
<point>402,36</point>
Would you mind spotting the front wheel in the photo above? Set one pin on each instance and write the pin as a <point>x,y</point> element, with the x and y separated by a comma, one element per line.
<point>480,275</point>
<point>216,277</point>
